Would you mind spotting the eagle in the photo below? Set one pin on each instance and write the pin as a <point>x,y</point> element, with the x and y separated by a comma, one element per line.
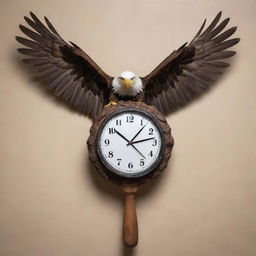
<point>72,75</point>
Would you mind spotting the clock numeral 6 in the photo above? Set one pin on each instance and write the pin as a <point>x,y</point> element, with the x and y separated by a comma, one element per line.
<point>130,165</point>
<point>110,154</point>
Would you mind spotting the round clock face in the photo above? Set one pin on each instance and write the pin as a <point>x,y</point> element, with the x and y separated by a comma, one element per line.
<point>130,143</point>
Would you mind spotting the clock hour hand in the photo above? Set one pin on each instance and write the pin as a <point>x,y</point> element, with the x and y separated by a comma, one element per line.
<point>129,143</point>
<point>122,136</point>
<point>138,141</point>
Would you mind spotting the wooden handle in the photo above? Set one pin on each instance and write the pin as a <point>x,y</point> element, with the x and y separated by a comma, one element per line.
<point>130,224</point>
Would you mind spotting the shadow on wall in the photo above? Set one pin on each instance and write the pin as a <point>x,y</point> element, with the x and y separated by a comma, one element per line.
<point>105,187</point>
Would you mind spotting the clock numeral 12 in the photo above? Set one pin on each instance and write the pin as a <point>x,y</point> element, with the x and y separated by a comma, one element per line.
<point>129,119</point>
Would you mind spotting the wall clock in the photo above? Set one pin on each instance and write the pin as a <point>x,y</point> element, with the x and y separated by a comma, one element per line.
<point>130,141</point>
<point>129,144</point>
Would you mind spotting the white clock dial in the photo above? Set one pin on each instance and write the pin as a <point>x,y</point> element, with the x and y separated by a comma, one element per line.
<point>130,143</point>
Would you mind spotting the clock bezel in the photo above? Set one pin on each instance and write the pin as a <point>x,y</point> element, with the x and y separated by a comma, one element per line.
<point>95,160</point>
<point>148,170</point>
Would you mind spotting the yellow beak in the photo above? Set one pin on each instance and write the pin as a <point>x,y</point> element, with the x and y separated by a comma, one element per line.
<point>127,82</point>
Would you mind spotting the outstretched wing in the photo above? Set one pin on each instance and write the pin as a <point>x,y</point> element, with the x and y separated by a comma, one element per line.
<point>65,68</point>
<point>191,70</point>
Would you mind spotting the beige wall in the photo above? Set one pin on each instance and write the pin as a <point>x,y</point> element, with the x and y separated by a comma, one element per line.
<point>52,202</point>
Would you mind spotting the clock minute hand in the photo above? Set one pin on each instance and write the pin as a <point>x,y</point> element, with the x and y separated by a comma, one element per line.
<point>129,143</point>
<point>138,151</point>
<point>138,141</point>
<point>138,133</point>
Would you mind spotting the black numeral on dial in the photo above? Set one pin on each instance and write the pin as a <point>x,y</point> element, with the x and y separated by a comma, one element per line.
<point>130,165</point>
<point>129,119</point>
<point>111,130</point>
<point>118,122</point>
<point>142,162</point>
<point>150,131</point>
<point>119,161</point>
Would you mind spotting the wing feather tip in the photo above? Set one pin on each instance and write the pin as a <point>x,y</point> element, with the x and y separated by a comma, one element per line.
<point>47,20</point>
<point>33,16</point>
<point>219,14</point>
<point>25,61</point>
<point>26,18</point>
<point>237,40</point>
<point>20,50</point>
<point>227,20</point>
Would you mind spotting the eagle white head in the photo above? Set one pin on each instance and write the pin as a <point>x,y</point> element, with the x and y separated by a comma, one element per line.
<point>127,84</point>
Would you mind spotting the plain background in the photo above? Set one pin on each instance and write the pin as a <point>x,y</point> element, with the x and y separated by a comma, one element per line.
<point>51,200</point>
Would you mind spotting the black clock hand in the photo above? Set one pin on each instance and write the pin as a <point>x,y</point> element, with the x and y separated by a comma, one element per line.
<point>122,136</point>
<point>129,143</point>
<point>138,141</point>
<point>137,150</point>
<point>138,133</point>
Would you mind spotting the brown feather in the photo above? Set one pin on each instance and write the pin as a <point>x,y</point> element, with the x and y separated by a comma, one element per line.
<point>212,25</point>
<point>224,45</point>
<point>221,55</point>
<point>225,35</point>
<point>66,69</point>
<point>217,30</point>
<point>192,69</point>
<point>31,34</point>
<point>28,43</point>
<point>33,53</point>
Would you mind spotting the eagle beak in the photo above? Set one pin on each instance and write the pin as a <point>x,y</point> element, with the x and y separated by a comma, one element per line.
<point>127,82</point>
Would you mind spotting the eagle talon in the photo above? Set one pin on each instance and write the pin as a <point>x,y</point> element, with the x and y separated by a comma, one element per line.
<point>111,103</point>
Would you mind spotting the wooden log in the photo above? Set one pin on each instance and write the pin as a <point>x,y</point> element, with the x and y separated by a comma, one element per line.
<point>130,223</point>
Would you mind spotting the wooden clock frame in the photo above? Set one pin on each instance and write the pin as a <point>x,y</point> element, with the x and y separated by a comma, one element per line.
<point>111,111</point>
<point>130,185</point>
